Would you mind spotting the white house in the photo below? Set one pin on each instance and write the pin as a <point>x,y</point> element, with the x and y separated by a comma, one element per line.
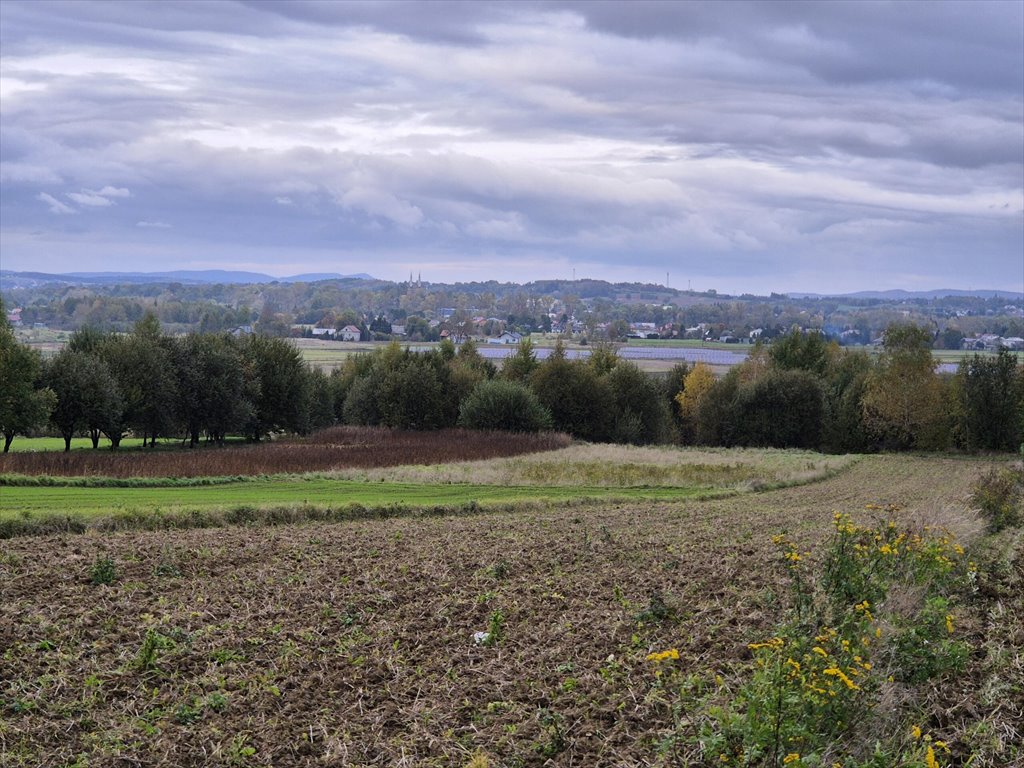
<point>324,331</point>
<point>349,333</point>
<point>508,337</point>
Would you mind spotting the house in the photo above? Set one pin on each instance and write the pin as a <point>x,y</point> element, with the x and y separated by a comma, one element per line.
<point>397,330</point>
<point>14,317</point>
<point>1013,342</point>
<point>507,337</point>
<point>325,331</point>
<point>728,338</point>
<point>241,330</point>
<point>349,333</point>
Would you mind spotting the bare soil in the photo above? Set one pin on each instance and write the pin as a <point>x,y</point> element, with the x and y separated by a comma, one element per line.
<point>352,644</point>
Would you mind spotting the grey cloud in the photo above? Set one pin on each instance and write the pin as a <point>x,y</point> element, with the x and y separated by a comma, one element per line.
<point>610,134</point>
<point>55,205</point>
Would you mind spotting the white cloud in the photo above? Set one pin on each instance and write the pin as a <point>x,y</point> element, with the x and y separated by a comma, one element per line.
<point>153,224</point>
<point>114,192</point>
<point>56,206</point>
<point>92,199</point>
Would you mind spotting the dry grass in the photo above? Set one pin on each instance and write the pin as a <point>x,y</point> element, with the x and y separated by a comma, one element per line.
<point>331,449</point>
<point>629,466</point>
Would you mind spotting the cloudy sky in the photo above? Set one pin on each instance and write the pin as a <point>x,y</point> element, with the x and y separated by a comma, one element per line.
<point>738,146</point>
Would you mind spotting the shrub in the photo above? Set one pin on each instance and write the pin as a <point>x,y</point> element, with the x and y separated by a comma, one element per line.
<point>999,495</point>
<point>504,405</point>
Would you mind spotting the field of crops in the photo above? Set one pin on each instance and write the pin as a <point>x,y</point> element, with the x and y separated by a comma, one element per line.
<point>353,643</point>
<point>376,468</point>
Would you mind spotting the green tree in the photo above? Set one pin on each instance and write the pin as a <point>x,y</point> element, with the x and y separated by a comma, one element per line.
<point>87,396</point>
<point>278,377</point>
<point>903,401</point>
<point>641,414</point>
<point>504,405</point>
<point>213,393</point>
<point>520,366</point>
<point>780,409</point>
<point>991,400</point>
<point>24,403</point>
<point>799,351</point>
<point>580,402</point>
<point>844,387</point>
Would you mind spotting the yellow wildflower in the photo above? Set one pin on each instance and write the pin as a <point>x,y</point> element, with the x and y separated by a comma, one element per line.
<point>929,758</point>
<point>792,757</point>
<point>915,731</point>
<point>671,653</point>
<point>949,623</point>
<point>836,672</point>
<point>820,651</point>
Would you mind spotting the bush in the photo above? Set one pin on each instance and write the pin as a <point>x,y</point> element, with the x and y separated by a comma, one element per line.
<point>504,405</point>
<point>999,495</point>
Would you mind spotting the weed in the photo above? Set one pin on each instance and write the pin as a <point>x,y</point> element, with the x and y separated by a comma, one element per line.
<point>554,742</point>
<point>495,629</point>
<point>103,571</point>
<point>657,609</point>
<point>999,495</point>
<point>149,652</point>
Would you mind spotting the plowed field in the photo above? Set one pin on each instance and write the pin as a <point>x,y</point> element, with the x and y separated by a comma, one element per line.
<point>352,644</point>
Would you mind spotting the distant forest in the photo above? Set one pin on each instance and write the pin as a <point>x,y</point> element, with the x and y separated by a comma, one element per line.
<point>595,309</point>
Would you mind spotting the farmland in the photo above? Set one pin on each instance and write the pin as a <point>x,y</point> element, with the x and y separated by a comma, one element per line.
<point>352,643</point>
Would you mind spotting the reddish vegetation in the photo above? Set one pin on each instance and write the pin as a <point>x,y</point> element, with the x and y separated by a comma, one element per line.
<point>335,448</point>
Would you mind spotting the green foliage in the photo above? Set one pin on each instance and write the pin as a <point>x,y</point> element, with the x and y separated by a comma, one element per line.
<point>87,395</point>
<point>103,571</point>
<point>991,402</point>
<point>844,386</point>
<point>924,649</point>
<point>280,393</point>
<point>903,404</point>
<point>581,403</point>
<point>715,414</point>
<point>641,412</point>
<point>820,675</point>
<point>521,365</point>
<point>504,405</point>
<point>780,409</point>
<point>800,351</point>
<point>24,403</point>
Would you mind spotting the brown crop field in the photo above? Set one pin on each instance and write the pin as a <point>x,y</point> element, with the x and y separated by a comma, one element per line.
<point>352,644</point>
<point>330,449</point>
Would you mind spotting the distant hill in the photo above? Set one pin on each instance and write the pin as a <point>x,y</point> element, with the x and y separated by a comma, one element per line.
<point>900,295</point>
<point>11,279</point>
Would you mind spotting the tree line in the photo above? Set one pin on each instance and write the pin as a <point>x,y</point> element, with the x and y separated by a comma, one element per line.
<point>801,391</point>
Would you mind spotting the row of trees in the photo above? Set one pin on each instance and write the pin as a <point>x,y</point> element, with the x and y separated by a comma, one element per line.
<point>150,384</point>
<point>804,392</point>
<point>800,392</point>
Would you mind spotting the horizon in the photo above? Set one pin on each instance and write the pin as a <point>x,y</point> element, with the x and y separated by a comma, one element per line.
<point>726,292</point>
<point>825,148</point>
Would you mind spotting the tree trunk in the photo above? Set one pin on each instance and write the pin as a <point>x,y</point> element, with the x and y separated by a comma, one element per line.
<point>67,442</point>
<point>94,435</point>
<point>8,437</point>
<point>115,442</point>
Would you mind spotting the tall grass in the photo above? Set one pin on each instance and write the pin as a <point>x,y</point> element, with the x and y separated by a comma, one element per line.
<point>331,449</point>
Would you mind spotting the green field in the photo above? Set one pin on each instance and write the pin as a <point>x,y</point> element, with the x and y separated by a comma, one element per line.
<point>27,444</point>
<point>19,501</point>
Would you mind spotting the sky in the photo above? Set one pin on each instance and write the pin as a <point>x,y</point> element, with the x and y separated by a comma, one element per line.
<point>740,146</point>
